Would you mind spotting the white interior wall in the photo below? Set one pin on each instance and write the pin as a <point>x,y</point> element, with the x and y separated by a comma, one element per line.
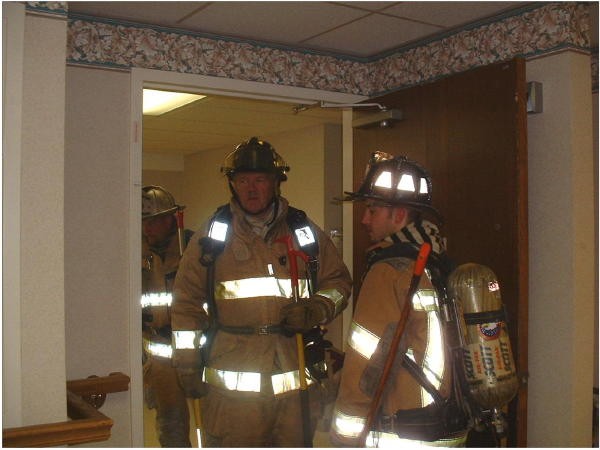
<point>41,299</point>
<point>13,41</point>
<point>561,254</point>
<point>97,295</point>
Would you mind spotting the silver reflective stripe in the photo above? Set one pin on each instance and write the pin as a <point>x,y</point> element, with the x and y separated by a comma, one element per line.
<point>425,300</point>
<point>158,349</point>
<point>433,359</point>
<point>288,381</point>
<point>378,439</point>
<point>218,231</point>
<point>188,339</point>
<point>362,340</point>
<point>259,287</point>
<point>232,381</point>
<point>335,296</point>
<point>157,299</point>
<point>251,381</point>
<point>346,425</point>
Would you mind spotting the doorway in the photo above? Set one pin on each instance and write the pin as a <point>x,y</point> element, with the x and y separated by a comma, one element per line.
<point>233,94</point>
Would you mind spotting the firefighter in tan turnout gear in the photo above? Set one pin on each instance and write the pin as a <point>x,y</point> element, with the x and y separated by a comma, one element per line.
<point>161,251</point>
<point>397,193</point>
<point>234,318</point>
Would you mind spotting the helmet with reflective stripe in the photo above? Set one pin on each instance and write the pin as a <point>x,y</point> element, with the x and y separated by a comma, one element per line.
<point>157,201</point>
<point>255,155</point>
<point>395,180</point>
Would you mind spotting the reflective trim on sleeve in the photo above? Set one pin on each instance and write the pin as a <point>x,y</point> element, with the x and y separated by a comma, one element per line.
<point>346,425</point>
<point>158,348</point>
<point>433,362</point>
<point>259,287</point>
<point>425,300</point>
<point>188,339</point>
<point>362,340</point>
<point>157,299</point>
<point>335,296</point>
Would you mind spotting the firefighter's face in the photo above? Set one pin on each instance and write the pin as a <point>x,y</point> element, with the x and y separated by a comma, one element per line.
<point>157,229</point>
<point>382,221</point>
<point>255,190</point>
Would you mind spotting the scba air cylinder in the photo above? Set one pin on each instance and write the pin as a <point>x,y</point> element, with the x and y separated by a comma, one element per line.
<point>488,361</point>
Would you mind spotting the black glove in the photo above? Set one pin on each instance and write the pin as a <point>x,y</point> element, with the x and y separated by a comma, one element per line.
<point>303,315</point>
<point>191,382</point>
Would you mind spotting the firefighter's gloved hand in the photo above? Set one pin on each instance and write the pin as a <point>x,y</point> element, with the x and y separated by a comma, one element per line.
<point>191,382</point>
<point>303,315</point>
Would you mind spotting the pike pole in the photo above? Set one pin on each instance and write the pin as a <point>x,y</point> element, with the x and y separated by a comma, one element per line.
<point>195,401</point>
<point>304,406</point>
<point>389,362</point>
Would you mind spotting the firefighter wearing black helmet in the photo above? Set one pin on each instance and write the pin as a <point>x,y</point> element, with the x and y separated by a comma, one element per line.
<point>233,317</point>
<point>160,259</point>
<point>397,218</point>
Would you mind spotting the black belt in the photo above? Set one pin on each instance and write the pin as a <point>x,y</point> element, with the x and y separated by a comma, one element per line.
<point>260,330</point>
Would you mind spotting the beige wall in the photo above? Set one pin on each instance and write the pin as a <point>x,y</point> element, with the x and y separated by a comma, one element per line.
<point>561,254</point>
<point>35,387</point>
<point>97,296</point>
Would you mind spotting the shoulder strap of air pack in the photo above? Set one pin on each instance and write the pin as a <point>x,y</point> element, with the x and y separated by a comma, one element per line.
<point>213,243</point>
<point>307,241</point>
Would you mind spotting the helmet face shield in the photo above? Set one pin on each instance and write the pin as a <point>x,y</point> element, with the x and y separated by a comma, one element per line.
<point>395,181</point>
<point>255,156</point>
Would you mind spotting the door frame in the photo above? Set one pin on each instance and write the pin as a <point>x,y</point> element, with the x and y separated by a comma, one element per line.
<point>149,78</point>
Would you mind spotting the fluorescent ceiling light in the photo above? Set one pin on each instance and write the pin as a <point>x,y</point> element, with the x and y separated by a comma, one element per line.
<point>160,102</point>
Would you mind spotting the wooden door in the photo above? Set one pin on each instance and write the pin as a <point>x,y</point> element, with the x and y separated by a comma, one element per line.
<point>469,132</point>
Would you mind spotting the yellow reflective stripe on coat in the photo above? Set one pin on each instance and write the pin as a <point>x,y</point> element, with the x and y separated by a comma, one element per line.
<point>365,342</point>
<point>334,296</point>
<point>433,361</point>
<point>346,425</point>
<point>362,340</point>
<point>192,339</point>
<point>251,381</point>
<point>158,348</point>
<point>157,299</point>
<point>259,287</point>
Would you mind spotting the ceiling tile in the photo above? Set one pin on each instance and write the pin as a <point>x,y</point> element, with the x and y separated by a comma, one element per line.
<point>155,13</point>
<point>449,14</point>
<point>277,22</point>
<point>371,35</point>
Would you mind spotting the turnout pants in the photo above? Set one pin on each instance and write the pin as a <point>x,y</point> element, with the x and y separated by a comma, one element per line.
<point>247,419</point>
<point>162,391</point>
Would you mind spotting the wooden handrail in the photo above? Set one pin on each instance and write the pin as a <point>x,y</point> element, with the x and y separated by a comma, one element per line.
<point>87,424</point>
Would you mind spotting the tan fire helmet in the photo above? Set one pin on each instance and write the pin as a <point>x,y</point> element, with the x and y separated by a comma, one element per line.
<point>157,201</point>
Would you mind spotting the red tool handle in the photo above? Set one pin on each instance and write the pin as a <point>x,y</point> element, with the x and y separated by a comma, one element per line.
<point>292,254</point>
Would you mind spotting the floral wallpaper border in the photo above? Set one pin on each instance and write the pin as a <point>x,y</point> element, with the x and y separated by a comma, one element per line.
<point>547,28</point>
